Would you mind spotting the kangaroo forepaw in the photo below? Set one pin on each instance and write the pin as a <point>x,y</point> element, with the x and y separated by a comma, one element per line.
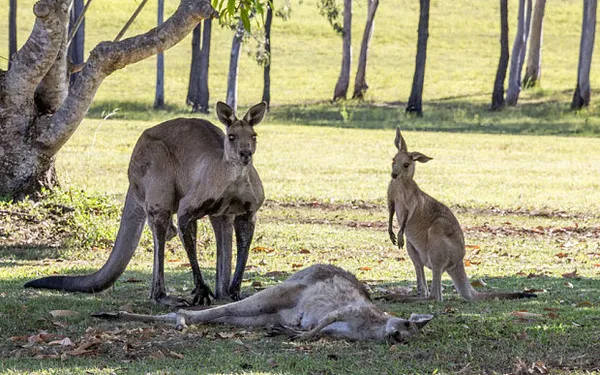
<point>202,295</point>
<point>400,240</point>
<point>235,294</point>
<point>392,236</point>
<point>171,301</point>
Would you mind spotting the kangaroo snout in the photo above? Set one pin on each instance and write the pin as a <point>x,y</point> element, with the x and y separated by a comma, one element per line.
<point>246,156</point>
<point>394,174</point>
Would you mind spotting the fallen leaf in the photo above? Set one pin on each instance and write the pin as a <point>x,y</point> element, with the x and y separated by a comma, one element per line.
<point>570,275</point>
<point>561,255</point>
<point>467,263</point>
<point>478,283</point>
<point>525,314</point>
<point>551,309</point>
<point>225,335</point>
<point>271,362</point>
<point>584,304</point>
<point>553,315</point>
<point>175,354</point>
<point>133,280</point>
<point>18,338</point>
<point>262,249</point>
<point>184,265</point>
<point>59,324</point>
<point>256,284</point>
<point>534,291</point>
<point>173,260</point>
<point>297,265</point>
<point>304,251</point>
<point>83,348</point>
<point>472,247</point>
<point>158,354</point>
<point>64,342</point>
<point>597,265</point>
<point>568,285</point>
<point>63,313</point>
<point>274,274</point>
<point>365,268</point>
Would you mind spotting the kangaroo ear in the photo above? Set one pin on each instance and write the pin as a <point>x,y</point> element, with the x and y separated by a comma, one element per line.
<point>417,156</point>
<point>256,113</point>
<point>226,114</point>
<point>399,141</point>
<point>420,319</point>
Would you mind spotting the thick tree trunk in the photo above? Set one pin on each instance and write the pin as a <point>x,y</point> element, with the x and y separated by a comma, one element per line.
<point>159,97</point>
<point>533,69</point>
<point>415,102</point>
<point>518,53</point>
<point>581,96</point>
<point>232,76</point>
<point>30,139</point>
<point>341,87</point>
<point>498,94</point>
<point>12,30</point>
<point>203,92</point>
<point>192,94</point>
<point>266,96</point>
<point>360,83</point>
<point>76,49</point>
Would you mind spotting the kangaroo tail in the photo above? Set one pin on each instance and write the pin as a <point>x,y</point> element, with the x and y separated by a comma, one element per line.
<point>464,288</point>
<point>128,237</point>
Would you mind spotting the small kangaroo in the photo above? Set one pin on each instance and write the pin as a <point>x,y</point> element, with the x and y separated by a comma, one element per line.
<point>187,167</point>
<point>320,299</point>
<point>434,237</point>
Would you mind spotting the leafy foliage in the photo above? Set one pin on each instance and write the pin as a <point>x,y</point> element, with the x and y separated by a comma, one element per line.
<point>330,10</point>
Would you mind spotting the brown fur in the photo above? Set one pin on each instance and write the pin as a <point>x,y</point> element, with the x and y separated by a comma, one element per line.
<point>434,237</point>
<point>190,168</point>
<point>320,299</point>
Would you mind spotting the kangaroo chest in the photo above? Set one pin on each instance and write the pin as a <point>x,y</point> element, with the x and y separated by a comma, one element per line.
<point>239,197</point>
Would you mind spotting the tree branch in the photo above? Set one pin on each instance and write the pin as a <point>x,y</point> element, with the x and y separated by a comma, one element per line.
<point>53,88</point>
<point>52,132</point>
<point>38,54</point>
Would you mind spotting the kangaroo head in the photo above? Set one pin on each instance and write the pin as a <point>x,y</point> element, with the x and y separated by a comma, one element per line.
<point>240,140</point>
<point>403,163</point>
<point>397,330</point>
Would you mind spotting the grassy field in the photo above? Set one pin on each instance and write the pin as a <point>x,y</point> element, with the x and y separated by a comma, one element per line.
<point>523,183</point>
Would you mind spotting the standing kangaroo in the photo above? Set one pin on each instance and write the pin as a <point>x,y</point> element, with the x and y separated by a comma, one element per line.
<point>187,167</point>
<point>319,299</point>
<point>433,235</point>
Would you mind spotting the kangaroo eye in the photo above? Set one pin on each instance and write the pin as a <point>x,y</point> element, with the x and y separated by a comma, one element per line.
<point>406,165</point>
<point>231,137</point>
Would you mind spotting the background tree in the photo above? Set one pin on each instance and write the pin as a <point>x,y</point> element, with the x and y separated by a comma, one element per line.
<point>498,94</point>
<point>12,30</point>
<point>77,30</point>
<point>581,96</point>
<point>341,87</point>
<point>360,82</point>
<point>266,96</point>
<point>30,138</point>
<point>518,53</point>
<point>234,58</point>
<point>194,81</point>
<point>415,102</point>
<point>203,92</point>
<point>533,68</point>
<point>159,97</point>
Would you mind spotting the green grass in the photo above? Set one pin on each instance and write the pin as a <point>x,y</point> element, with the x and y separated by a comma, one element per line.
<point>523,183</point>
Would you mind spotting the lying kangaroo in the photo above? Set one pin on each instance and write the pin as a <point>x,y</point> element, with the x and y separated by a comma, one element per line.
<point>191,168</point>
<point>434,237</point>
<point>319,299</point>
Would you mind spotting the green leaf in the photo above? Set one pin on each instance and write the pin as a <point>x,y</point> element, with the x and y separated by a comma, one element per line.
<point>245,19</point>
<point>230,8</point>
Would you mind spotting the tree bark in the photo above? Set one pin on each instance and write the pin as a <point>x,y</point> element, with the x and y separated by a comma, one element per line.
<point>266,96</point>
<point>192,94</point>
<point>415,101</point>
<point>12,30</point>
<point>533,69</point>
<point>518,53</point>
<point>232,77</point>
<point>203,92</point>
<point>76,49</point>
<point>498,94</point>
<point>31,138</point>
<point>341,87</point>
<point>360,82</point>
<point>159,97</point>
<point>582,94</point>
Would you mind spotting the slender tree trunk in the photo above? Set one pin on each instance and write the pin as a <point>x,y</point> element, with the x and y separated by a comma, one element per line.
<point>341,87</point>
<point>533,69</point>
<point>266,96</point>
<point>518,55</point>
<point>30,137</point>
<point>12,30</point>
<point>498,94</point>
<point>581,96</point>
<point>415,102</point>
<point>232,77</point>
<point>192,94</point>
<point>360,83</point>
<point>76,49</point>
<point>203,93</point>
<point>159,98</point>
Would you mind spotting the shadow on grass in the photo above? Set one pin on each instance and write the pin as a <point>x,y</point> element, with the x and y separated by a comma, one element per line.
<point>536,116</point>
<point>28,252</point>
